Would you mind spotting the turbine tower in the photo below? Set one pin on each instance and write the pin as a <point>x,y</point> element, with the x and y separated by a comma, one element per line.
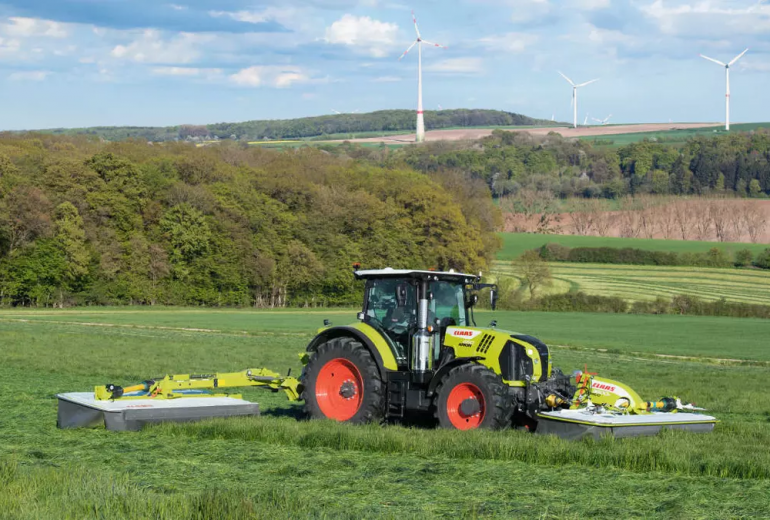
<point>420,133</point>
<point>727,79</point>
<point>574,97</point>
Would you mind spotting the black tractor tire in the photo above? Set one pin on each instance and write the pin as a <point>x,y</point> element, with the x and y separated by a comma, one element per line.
<point>497,405</point>
<point>350,353</point>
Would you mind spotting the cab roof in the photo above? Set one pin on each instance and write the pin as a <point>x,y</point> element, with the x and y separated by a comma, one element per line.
<point>389,272</point>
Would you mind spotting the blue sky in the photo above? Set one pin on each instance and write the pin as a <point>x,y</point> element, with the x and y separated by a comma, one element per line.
<point>149,62</point>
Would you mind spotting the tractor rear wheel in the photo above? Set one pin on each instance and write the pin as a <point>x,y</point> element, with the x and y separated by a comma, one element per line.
<point>341,382</point>
<point>473,396</point>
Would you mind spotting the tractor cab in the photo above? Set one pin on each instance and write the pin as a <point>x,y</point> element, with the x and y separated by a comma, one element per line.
<point>412,310</point>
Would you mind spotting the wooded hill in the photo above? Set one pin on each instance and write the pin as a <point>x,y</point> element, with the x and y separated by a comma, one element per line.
<point>88,222</point>
<point>380,121</point>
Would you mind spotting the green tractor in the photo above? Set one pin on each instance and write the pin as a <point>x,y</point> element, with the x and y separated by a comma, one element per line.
<point>416,349</point>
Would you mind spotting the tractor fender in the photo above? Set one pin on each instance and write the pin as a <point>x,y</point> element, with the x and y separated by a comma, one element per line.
<point>444,370</point>
<point>368,336</point>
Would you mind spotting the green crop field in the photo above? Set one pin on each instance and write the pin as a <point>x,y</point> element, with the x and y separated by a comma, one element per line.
<point>514,244</point>
<point>646,283</point>
<point>282,466</point>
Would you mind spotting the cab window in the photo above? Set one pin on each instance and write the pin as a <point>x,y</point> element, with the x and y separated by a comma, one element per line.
<point>448,302</point>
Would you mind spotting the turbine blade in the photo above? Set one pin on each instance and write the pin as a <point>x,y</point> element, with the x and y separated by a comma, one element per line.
<point>565,77</point>
<point>416,29</point>
<point>738,57</point>
<point>712,59</point>
<point>426,42</point>
<point>587,83</point>
<point>407,50</point>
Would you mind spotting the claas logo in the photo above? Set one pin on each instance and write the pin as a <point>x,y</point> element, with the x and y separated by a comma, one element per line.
<point>463,333</point>
<point>602,386</point>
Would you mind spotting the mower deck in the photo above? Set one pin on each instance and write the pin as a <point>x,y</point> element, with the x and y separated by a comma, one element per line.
<point>578,424</point>
<point>82,409</point>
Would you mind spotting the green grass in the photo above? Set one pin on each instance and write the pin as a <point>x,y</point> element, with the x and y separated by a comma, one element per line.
<point>514,244</point>
<point>279,466</point>
<point>646,283</point>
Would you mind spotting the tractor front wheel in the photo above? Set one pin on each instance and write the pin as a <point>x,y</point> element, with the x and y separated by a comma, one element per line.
<point>472,396</point>
<point>341,382</point>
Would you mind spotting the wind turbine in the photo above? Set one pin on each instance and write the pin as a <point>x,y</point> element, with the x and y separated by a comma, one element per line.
<point>574,96</point>
<point>420,133</point>
<point>585,121</point>
<point>727,79</point>
<point>603,121</point>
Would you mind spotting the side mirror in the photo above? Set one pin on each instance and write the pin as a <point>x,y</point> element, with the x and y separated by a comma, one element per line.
<point>493,298</point>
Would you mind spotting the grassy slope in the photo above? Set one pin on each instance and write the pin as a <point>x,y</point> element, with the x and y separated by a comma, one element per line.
<point>640,283</point>
<point>514,244</point>
<point>276,466</point>
<point>645,283</point>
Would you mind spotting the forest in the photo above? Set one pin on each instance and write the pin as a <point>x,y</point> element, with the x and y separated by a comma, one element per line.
<point>319,126</point>
<point>508,162</point>
<point>85,222</point>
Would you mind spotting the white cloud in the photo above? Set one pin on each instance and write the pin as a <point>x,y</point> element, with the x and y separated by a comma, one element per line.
<point>186,72</point>
<point>9,46</point>
<point>31,75</point>
<point>528,10</point>
<point>457,66</point>
<point>364,34</point>
<point>712,18</point>
<point>150,47</point>
<point>387,79</point>
<point>510,42</point>
<point>270,76</point>
<point>177,7</point>
<point>591,5</point>
<point>28,27</point>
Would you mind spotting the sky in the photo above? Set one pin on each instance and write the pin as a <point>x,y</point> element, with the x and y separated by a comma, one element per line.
<point>75,63</point>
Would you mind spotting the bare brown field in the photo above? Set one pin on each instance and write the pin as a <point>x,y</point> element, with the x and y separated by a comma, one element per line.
<point>477,133</point>
<point>718,220</point>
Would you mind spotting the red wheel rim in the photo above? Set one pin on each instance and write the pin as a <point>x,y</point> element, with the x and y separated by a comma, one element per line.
<point>459,394</point>
<point>339,389</point>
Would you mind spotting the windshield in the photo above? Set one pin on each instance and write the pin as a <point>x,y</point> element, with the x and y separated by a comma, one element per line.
<point>448,302</point>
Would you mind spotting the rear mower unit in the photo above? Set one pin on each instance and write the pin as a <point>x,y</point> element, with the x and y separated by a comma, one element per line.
<point>415,350</point>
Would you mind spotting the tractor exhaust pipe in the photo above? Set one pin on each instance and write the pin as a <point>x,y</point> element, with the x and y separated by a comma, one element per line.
<point>422,341</point>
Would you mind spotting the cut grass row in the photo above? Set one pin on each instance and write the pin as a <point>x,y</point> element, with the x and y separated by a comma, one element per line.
<point>646,283</point>
<point>515,244</point>
<point>278,466</point>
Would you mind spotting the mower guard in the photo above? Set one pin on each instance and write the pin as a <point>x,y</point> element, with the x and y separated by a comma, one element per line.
<point>82,410</point>
<point>578,424</point>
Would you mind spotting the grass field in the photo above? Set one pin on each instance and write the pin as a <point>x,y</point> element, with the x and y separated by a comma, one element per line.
<point>514,244</point>
<point>646,283</point>
<point>279,466</point>
<point>641,283</point>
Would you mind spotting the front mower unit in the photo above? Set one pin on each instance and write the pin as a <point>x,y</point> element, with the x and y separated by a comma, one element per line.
<point>579,424</point>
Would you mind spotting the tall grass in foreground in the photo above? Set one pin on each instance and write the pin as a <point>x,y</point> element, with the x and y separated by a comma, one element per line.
<point>42,493</point>
<point>722,454</point>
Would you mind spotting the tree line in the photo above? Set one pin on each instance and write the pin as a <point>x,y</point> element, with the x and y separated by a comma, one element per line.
<point>307,127</point>
<point>87,222</point>
<point>509,162</point>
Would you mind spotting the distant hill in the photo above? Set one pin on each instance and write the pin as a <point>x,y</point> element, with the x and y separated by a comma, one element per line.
<point>312,127</point>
